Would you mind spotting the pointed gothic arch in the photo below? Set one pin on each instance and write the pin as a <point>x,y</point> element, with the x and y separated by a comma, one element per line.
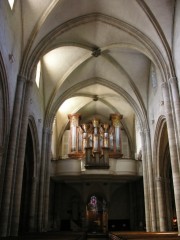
<point>28,215</point>
<point>166,211</point>
<point>4,119</point>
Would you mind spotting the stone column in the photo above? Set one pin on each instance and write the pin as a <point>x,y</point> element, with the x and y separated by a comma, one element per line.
<point>45,143</point>
<point>54,139</point>
<point>2,164</point>
<point>173,150</point>
<point>1,154</point>
<point>32,215</point>
<point>47,183</point>
<point>11,157</point>
<point>20,162</point>
<point>145,184</point>
<point>168,197</point>
<point>151,182</point>
<point>175,101</point>
<point>161,204</point>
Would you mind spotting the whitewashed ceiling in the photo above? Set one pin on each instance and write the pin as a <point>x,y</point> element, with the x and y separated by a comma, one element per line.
<point>97,53</point>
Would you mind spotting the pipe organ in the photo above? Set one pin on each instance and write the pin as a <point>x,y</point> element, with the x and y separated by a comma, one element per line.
<point>95,141</point>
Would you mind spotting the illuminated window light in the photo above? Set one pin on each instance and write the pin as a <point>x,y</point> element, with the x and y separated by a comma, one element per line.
<point>38,73</point>
<point>11,3</point>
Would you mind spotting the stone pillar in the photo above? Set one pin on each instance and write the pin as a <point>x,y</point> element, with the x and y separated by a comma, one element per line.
<point>145,183</point>
<point>169,202</point>
<point>20,162</point>
<point>151,182</point>
<point>45,146</point>
<point>32,214</point>
<point>54,139</point>
<point>161,204</point>
<point>1,154</point>
<point>11,157</point>
<point>175,102</point>
<point>173,150</point>
<point>2,164</point>
<point>47,183</point>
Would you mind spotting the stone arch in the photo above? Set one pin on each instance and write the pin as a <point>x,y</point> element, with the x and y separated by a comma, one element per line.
<point>28,217</point>
<point>35,139</point>
<point>163,173</point>
<point>158,144</point>
<point>97,209</point>
<point>4,113</point>
<point>43,47</point>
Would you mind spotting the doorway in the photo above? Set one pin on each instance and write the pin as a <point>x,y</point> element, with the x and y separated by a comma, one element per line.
<point>97,214</point>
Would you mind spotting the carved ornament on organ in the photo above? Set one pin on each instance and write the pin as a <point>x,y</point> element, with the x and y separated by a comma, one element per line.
<point>96,141</point>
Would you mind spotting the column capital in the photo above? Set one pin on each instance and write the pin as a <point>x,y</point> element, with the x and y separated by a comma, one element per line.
<point>141,132</point>
<point>21,78</point>
<point>164,85</point>
<point>146,130</point>
<point>29,81</point>
<point>47,130</point>
<point>172,80</point>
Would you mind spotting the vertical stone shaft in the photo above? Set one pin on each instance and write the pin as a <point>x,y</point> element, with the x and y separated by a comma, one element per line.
<point>173,150</point>
<point>32,215</point>
<point>42,178</point>
<point>145,183</point>
<point>20,162</point>
<point>11,158</point>
<point>169,200</point>
<point>176,107</point>
<point>161,204</point>
<point>176,101</point>
<point>47,182</point>
<point>151,182</point>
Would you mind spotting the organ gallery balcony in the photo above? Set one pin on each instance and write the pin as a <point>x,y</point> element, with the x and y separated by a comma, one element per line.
<point>118,168</point>
<point>95,141</point>
<point>95,148</point>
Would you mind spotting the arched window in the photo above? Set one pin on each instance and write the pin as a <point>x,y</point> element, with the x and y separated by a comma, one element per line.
<point>11,3</point>
<point>38,73</point>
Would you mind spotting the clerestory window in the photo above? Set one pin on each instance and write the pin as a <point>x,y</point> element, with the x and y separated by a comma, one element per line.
<point>38,73</point>
<point>11,3</point>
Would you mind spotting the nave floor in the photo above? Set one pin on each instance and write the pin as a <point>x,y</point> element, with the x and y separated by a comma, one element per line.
<point>89,236</point>
<point>144,235</point>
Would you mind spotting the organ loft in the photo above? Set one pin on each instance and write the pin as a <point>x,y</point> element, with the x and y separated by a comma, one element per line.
<point>95,141</point>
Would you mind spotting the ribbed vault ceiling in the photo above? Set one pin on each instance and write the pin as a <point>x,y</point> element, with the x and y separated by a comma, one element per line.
<point>96,55</point>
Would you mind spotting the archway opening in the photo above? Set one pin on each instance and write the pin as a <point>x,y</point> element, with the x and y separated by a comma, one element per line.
<point>167,207</point>
<point>97,214</point>
<point>25,211</point>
